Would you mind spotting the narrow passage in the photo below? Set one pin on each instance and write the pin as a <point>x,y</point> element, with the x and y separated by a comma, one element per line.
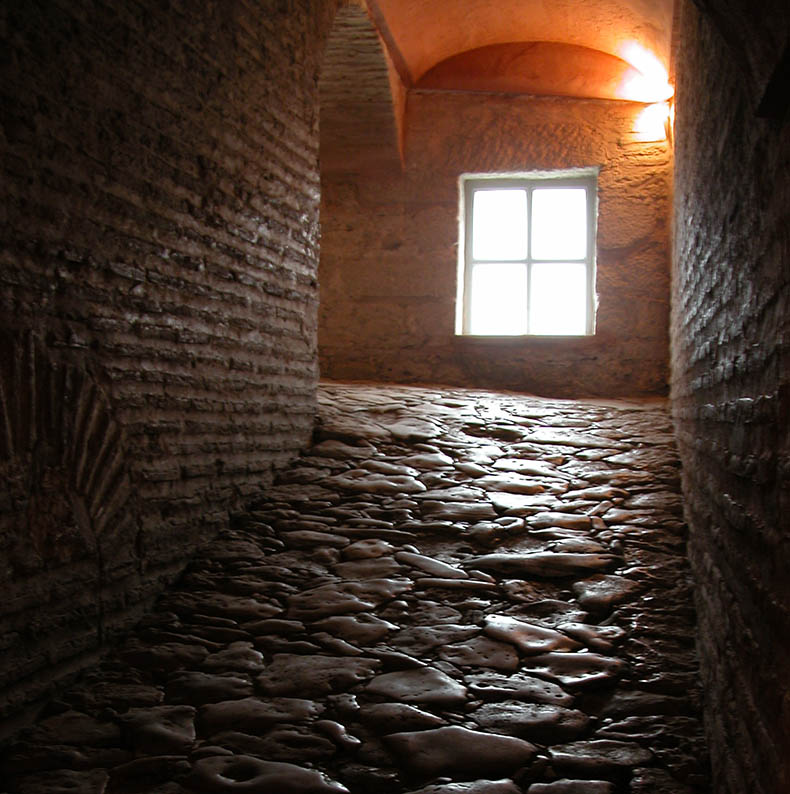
<point>451,592</point>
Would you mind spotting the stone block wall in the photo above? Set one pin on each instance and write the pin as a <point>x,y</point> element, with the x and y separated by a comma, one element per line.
<point>390,248</point>
<point>731,377</point>
<point>158,293</point>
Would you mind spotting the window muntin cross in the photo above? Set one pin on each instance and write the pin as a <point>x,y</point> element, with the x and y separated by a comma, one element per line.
<point>529,255</point>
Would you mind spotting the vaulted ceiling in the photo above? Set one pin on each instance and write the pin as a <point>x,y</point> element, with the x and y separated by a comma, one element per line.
<point>615,49</point>
<point>380,50</point>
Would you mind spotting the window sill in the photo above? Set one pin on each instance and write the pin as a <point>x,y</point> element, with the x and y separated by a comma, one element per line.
<point>523,339</point>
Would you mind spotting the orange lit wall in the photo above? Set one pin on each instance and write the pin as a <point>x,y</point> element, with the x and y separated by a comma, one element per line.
<point>389,249</point>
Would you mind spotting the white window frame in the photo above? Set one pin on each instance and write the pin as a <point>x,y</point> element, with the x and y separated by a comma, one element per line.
<point>469,183</point>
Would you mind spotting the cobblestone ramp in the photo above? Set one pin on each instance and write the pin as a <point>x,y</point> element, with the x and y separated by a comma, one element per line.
<point>452,592</point>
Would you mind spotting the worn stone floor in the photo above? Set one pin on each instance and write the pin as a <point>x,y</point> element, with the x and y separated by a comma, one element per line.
<point>451,592</point>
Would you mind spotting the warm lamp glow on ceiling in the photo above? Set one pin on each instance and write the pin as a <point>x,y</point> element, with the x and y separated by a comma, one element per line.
<point>649,82</point>
<point>651,123</point>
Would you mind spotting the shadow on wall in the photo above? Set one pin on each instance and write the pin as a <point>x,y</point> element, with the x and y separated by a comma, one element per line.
<point>69,524</point>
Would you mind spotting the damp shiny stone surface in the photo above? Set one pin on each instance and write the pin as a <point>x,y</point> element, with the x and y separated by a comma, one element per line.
<point>431,600</point>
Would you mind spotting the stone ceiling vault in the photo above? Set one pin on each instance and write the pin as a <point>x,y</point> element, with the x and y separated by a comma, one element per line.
<point>427,33</point>
<point>382,49</point>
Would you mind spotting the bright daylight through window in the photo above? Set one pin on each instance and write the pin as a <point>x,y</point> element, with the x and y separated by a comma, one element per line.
<point>529,255</point>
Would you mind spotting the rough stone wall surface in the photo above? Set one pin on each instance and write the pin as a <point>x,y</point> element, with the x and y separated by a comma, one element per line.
<point>731,381</point>
<point>158,257</point>
<point>389,249</point>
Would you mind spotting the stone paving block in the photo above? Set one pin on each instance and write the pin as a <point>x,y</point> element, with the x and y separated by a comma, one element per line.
<point>501,602</point>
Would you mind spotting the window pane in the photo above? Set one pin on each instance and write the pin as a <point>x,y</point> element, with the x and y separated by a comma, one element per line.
<point>558,299</point>
<point>499,299</point>
<point>499,228</point>
<point>559,223</point>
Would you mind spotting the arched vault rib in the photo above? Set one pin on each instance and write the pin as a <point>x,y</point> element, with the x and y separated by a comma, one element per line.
<point>361,95</point>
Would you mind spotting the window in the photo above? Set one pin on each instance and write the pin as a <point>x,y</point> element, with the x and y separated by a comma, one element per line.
<point>528,263</point>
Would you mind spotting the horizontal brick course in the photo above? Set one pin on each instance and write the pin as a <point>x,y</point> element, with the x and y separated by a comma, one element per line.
<point>731,364</point>
<point>160,184</point>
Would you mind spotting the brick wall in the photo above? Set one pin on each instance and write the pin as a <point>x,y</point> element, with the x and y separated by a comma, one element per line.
<point>158,254</point>
<point>389,247</point>
<point>358,117</point>
<point>731,379</point>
